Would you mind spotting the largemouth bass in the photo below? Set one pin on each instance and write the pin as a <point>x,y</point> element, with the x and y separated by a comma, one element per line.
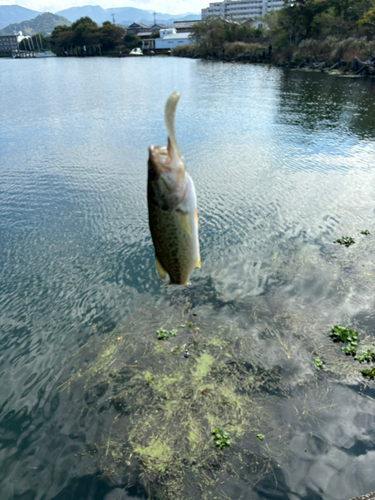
<point>172,207</point>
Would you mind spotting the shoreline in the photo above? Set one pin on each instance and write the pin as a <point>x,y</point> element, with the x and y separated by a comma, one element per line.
<point>352,69</point>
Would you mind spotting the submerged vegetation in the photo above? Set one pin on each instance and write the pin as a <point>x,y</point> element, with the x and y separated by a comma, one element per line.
<point>165,409</point>
<point>181,429</point>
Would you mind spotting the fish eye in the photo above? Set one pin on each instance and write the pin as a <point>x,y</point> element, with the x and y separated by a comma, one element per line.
<point>152,174</point>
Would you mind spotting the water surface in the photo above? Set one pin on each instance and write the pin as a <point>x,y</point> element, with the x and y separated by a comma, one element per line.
<point>283,164</point>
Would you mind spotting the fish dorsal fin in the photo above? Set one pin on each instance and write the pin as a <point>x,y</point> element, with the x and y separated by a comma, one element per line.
<point>160,269</point>
<point>170,111</point>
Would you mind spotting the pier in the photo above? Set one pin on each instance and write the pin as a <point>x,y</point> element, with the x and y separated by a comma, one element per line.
<point>22,54</point>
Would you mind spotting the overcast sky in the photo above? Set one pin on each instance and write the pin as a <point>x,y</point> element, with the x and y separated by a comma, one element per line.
<point>164,6</point>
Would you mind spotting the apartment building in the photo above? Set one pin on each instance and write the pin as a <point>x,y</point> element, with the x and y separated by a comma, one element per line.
<point>241,9</point>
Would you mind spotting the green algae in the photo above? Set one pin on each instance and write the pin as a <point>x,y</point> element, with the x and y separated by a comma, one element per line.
<point>242,366</point>
<point>203,366</point>
<point>165,406</point>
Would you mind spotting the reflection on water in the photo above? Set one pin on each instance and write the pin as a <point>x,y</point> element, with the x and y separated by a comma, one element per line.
<point>283,165</point>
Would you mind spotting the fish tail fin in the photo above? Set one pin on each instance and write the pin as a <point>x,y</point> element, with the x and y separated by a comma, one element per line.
<point>170,111</point>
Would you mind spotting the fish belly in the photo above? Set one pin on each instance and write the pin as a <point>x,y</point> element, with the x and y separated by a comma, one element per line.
<point>176,249</point>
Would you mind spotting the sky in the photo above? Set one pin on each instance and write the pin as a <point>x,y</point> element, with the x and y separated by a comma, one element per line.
<point>163,6</point>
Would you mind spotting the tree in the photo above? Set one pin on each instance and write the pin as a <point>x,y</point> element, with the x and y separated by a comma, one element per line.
<point>110,36</point>
<point>82,28</point>
<point>367,21</point>
<point>209,34</point>
<point>61,36</point>
<point>132,41</point>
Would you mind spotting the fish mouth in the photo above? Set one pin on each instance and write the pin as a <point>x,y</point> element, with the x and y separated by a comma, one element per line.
<point>158,159</point>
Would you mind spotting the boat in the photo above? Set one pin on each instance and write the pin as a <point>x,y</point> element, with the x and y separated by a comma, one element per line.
<point>47,53</point>
<point>136,52</point>
<point>133,52</point>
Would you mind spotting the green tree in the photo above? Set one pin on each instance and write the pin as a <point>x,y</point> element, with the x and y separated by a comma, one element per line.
<point>367,21</point>
<point>82,28</point>
<point>209,34</point>
<point>132,41</point>
<point>61,36</point>
<point>110,36</point>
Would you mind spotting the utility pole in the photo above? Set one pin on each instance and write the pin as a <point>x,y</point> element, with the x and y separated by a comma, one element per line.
<point>113,19</point>
<point>154,17</point>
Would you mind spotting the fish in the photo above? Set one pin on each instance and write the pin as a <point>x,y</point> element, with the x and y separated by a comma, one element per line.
<point>172,207</point>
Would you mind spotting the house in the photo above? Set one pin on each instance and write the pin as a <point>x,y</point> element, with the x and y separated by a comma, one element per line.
<point>260,24</point>
<point>169,39</point>
<point>136,28</point>
<point>183,26</point>
<point>157,27</point>
<point>144,35</point>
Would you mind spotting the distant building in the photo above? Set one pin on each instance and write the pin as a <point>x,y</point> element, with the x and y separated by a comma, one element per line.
<point>157,27</point>
<point>183,26</point>
<point>144,35</point>
<point>136,28</point>
<point>169,39</point>
<point>8,43</point>
<point>241,9</point>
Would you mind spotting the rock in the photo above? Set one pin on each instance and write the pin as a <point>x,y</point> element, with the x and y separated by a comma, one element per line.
<point>335,66</point>
<point>357,65</point>
<point>368,496</point>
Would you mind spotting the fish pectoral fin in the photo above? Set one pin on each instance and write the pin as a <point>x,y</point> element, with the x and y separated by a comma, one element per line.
<point>160,269</point>
<point>198,264</point>
<point>185,222</point>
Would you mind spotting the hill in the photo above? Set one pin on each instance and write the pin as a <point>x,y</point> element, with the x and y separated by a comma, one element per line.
<point>44,22</point>
<point>10,14</point>
<point>123,15</point>
<point>14,15</point>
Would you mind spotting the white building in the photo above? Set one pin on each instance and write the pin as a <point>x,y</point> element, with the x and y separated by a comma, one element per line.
<point>241,9</point>
<point>169,39</point>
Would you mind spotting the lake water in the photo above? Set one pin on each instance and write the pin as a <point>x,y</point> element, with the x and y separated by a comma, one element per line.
<point>284,164</point>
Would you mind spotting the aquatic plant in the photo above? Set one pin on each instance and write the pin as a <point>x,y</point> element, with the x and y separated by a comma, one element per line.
<point>260,437</point>
<point>349,349</point>
<point>365,356</point>
<point>340,333</point>
<point>345,240</point>
<point>366,231</point>
<point>221,438</point>
<point>369,373</point>
<point>318,364</point>
<point>190,325</point>
<point>165,334</point>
